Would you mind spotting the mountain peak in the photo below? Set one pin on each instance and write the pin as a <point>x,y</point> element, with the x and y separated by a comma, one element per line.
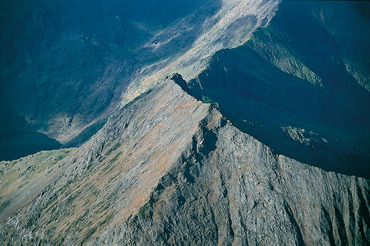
<point>171,169</point>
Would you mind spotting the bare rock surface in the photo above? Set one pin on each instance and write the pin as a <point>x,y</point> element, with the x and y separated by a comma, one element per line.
<point>169,170</point>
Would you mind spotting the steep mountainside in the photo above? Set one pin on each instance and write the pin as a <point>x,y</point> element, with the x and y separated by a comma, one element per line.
<point>290,87</point>
<point>233,122</point>
<point>167,170</point>
<point>67,64</point>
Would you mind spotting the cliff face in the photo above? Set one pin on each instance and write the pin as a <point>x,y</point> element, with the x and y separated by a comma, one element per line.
<point>168,169</point>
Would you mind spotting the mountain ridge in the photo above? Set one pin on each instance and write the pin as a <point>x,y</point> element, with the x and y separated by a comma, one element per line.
<point>210,140</point>
<point>293,91</point>
<point>107,55</point>
<point>171,196</point>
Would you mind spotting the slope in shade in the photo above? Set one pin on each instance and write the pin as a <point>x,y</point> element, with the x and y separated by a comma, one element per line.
<point>65,64</point>
<point>293,92</point>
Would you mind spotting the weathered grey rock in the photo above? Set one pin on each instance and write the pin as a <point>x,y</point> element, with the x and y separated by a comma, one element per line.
<point>170,170</point>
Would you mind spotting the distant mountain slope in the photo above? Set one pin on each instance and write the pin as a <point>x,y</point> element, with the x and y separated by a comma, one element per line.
<point>67,64</point>
<point>348,21</point>
<point>289,86</point>
<point>169,170</point>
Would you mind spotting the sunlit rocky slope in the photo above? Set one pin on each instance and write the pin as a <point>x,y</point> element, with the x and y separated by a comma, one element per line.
<point>240,122</point>
<point>168,169</point>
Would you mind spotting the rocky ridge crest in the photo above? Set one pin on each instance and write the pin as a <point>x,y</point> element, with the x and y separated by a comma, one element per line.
<point>168,169</point>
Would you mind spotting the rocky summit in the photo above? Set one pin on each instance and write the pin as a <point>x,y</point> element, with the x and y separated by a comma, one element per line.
<point>216,122</point>
<point>168,169</point>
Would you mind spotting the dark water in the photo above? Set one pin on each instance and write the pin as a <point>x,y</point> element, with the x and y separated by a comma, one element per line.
<point>15,145</point>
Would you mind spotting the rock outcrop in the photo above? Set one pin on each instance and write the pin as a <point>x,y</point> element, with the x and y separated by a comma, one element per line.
<point>168,169</point>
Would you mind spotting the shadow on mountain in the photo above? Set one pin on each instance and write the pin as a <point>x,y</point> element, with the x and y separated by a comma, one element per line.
<point>73,59</point>
<point>68,62</point>
<point>323,124</point>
